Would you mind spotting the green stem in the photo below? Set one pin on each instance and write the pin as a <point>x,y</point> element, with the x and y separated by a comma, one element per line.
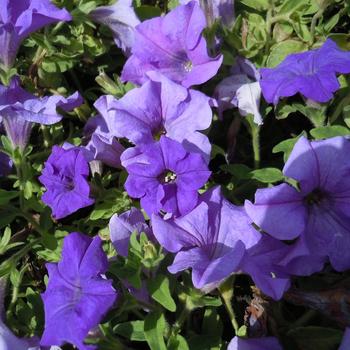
<point>226,291</point>
<point>256,146</point>
<point>182,318</point>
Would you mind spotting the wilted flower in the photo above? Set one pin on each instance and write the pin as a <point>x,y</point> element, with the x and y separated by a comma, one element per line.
<point>77,295</point>
<point>65,179</point>
<point>19,109</point>
<point>165,176</point>
<point>241,90</point>
<point>267,343</point>
<point>174,46</point>
<point>18,19</point>
<point>319,213</point>
<point>312,73</point>
<point>102,146</point>
<point>160,107</point>
<point>217,239</point>
<point>122,20</point>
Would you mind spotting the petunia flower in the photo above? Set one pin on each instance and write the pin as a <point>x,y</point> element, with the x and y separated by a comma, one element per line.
<point>319,212</point>
<point>267,343</point>
<point>102,145</point>
<point>311,73</point>
<point>18,19</point>
<point>77,295</point>
<point>173,45</point>
<point>65,179</point>
<point>122,20</point>
<point>5,164</point>
<point>241,90</point>
<point>123,225</point>
<point>160,107</point>
<point>221,10</point>
<point>215,240</point>
<point>345,344</point>
<point>19,109</point>
<point>165,176</point>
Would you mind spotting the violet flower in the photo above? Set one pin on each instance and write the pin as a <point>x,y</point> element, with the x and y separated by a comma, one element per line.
<point>319,213</point>
<point>241,90</point>
<point>77,295</point>
<point>18,19</point>
<point>65,179</point>
<point>122,20</point>
<point>217,239</point>
<point>173,45</point>
<point>311,73</point>
<point>158,107</point>
<point>102,146</point>
<point>267,343</point>
<point>5,164</point>
<point>221,10</point>
<point>122,226</point>
<point>19,109</point>
<point>165,176</point>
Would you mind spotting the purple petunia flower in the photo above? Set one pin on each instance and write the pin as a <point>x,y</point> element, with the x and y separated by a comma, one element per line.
<point>241,90</point>
<point>267,343</point>
<point>159,107</point>
<point>18,19</point>
<point>222,10</point>
<point>319,213</point>
<point>122,20</point>
<point>65,179</point>
<point>165,176</point>
<point>103,146</point>
<point>345,344</point>
<point>5,164</point>
<point>122,226</point>
<point>19,109</point>
<point>77,296</point>
<point>311,73</point>
<point>217,239</point>
<point>173,45</point>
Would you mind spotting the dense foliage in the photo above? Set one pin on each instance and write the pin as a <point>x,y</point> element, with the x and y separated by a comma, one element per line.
<point>175,175</point>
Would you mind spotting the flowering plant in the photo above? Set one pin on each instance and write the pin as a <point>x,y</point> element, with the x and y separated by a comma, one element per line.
<point>174,174</point>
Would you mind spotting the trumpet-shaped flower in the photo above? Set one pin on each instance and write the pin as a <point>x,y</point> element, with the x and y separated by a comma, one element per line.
<point>122,20</point>
<point>18,19</point>
<point>319,213</point>
<point>165,176</point>
<point>173,45</point>
<point>19,109</point>
<point>158,107</point>
<point>65,179</point>
<point>77,295</point>
<point>217,239</point>
<point>311,73</point>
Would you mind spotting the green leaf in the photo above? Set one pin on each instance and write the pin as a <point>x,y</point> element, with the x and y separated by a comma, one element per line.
<point>133,330</point>
<point>286,146</point>
<point>212,324</point>
<point>289,7</point>
<point>160,292</point>
<point>146,12</point>
<point>267,175</point>
<point>6,196</point>
<point>280,50</point>
<point>239,171</point>
<point>325,132</point>
<point>255,4</point>
<point>177,342</point>
<point>154,328</point>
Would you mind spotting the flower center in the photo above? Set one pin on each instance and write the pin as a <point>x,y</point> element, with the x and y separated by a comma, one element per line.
<point>315,197</point>
<point>158,133</point>
<point>169,177</point>
<point>188,66</point>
